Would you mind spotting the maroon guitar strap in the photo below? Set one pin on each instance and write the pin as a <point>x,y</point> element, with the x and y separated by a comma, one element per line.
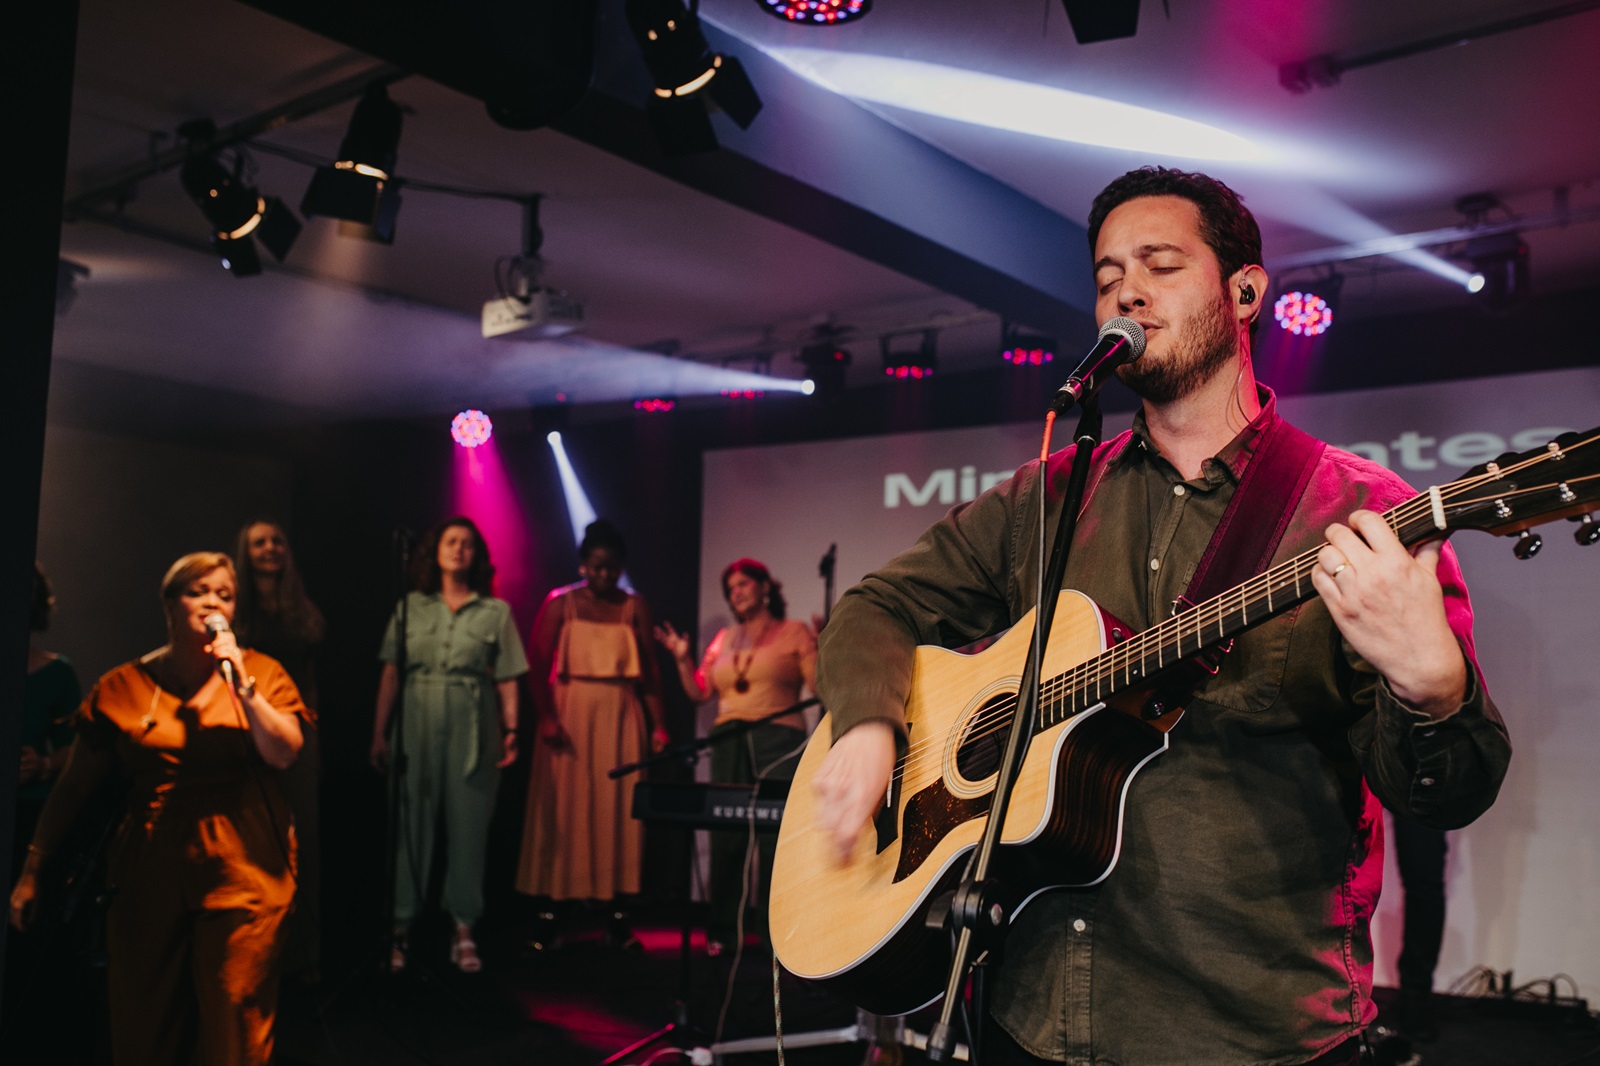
<point>1257,516</point>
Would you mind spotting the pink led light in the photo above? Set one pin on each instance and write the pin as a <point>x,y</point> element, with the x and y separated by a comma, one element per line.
<point>743,394</point>
<point>818,12</point>
<point>1027,356</point>
<point>471,428</point>
<point>1303,313</point>
<point>654,406</point>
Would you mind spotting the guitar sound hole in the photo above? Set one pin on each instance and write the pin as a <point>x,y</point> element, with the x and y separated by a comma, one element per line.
<point>984,744</point>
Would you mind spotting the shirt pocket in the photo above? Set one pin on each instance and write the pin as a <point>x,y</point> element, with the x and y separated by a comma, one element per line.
<point>1252,674</point>
<point>477,643</point>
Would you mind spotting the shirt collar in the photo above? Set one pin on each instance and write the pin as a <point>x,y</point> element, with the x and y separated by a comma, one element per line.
<point>1234,456</point>
<point>438,597</point>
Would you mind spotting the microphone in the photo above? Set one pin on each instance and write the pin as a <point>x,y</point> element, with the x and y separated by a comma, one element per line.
<point>1121,342</point>
<point>216,623</point>
<point>825,568</point>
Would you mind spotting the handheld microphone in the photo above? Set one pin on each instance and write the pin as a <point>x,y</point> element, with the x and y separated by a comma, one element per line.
<point>1121,342</point>
<point>216,623</point>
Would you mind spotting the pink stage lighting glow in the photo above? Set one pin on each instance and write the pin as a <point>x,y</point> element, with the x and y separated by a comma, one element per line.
<point>817,12</point>
<point>471,428</point>
<point>1027,356</point>
<point>1303,313</point>
<point>903,372</point>
<point>743,394</point>
<point>654,406</point>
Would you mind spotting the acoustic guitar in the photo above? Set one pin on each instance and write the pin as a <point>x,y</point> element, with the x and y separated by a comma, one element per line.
<point>870,928</point>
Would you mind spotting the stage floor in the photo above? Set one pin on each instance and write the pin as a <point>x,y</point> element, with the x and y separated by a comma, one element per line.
<point>580,1004</point>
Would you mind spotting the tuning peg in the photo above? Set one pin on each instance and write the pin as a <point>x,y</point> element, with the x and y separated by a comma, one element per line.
<point>1527,545</point>
<point>1588,531</point>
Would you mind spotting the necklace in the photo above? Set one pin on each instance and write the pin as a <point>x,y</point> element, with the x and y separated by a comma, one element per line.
<point>741,669</point>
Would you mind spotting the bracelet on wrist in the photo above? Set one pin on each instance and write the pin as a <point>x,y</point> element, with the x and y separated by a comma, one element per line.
<point>247,689</point>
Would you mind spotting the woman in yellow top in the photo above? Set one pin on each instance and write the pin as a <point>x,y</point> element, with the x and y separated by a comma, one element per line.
<point>756,667</point>
<point>597,693</point>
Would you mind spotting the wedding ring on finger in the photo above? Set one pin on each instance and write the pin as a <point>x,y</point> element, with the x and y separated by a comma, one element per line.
<point>1341,568</point>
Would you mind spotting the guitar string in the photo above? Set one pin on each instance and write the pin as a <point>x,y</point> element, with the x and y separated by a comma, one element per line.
<point>1248,594</point>
<point>995,718</point>
<point>1104,667</point>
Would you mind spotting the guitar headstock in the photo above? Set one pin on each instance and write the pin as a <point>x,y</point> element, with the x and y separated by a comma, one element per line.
<point>1519,491</point>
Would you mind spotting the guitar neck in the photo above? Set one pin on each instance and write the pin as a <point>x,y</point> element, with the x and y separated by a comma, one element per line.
<point>1214,622</point>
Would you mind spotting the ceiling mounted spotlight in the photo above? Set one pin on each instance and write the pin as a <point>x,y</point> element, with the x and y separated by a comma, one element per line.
<point>1102,20</point>
<point>239,215</point>
<point>471,428</point>
<point>826,364</point>
<point>359,187</point>
<point>816,12</point>
<point>1305,314</point>
<point>1499,270</point>
<point>684,72</point>
<point>913,363</point>
<point>1308,310</point>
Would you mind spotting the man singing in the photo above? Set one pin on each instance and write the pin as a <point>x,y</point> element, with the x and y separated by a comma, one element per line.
<point>1234,928</point>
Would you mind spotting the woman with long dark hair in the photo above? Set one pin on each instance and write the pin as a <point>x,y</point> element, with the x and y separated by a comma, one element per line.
<point>202,871</point>
<point>755,667</point>
<point>597,693</point>
<point>463,656</point>
<point>274,615</point>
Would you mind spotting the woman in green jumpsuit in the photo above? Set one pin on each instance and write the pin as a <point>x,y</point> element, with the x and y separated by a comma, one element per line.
<point>463,658</point>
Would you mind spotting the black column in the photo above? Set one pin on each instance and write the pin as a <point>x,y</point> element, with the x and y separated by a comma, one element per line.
<point>38,83</point>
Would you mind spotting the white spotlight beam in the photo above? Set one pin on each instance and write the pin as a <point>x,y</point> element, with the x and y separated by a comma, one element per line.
<point>1404,242</point>
<point>1018,106</point>
<point>580,512</point>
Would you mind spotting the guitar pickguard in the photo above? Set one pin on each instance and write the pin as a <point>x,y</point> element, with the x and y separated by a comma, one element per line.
<point>929,817</point>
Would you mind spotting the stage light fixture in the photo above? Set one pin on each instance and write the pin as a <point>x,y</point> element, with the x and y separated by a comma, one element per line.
<point>1500,270</point>
<point>471,428</point>
<point>1019,347</point>
<point>655,405</point>
<point>816,12</point>
<point>359,187</point>
<point>239,215</point>
<point>1102,20</point>
<point>909,363</point>
<point>825,364</point>
<point>685,71</point>
<point>1305,314</point>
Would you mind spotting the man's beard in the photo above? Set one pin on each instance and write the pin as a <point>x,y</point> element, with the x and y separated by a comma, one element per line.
<point>1207,346</point>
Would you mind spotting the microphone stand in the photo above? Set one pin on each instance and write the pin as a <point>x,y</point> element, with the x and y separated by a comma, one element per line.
<point>978,914</point>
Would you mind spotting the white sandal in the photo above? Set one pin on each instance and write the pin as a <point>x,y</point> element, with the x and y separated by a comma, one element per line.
<point>464,951</point>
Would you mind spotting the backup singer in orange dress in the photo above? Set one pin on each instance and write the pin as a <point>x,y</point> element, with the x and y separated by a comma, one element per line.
<point>598,698</point>
<point>202,871</point>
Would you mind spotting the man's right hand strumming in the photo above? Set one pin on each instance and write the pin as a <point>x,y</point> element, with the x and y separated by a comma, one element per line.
<point>853,781</point>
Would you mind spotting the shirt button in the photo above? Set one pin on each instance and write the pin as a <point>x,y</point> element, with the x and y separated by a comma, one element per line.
<point>1177,490</point>
<point>1426,781</point>
<point>1079,925</point>
<point>1155,564</point>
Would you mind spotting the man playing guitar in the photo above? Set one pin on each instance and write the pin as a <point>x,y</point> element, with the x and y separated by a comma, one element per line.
<point>1234,925</point>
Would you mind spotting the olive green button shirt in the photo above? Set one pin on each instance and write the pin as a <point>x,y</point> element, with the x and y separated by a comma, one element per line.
<point>1234,928</point>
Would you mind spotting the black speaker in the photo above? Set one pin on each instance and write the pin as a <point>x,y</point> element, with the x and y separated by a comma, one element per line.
<point>1102,20</point>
